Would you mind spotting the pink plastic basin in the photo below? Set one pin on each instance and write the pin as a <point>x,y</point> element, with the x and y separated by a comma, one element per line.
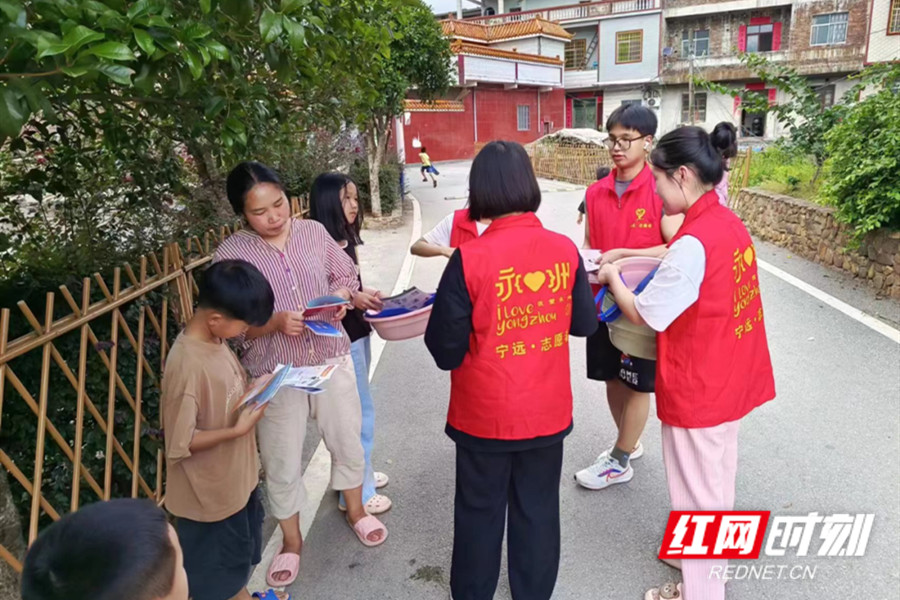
<point>402,327</point>
<point>633,340</point>
<point>635,268</point>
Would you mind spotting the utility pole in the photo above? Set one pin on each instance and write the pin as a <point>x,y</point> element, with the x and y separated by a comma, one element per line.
<point>691,82</point>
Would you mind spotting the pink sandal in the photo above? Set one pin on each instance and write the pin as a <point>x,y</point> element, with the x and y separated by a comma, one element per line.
<point>287,561</point>
<point>367,526</point>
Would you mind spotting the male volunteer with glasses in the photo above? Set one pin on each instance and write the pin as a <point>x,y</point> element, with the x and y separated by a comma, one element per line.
<point>624,218</point>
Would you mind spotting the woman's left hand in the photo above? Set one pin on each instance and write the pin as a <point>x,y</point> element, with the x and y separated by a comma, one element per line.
<point>368,301</point>
<point>607,273</point>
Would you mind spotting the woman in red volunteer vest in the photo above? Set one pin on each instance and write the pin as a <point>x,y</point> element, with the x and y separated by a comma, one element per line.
<point>505,308</point>
<point>625,218</point>
<point>451,232</point>
<point>713,359</point>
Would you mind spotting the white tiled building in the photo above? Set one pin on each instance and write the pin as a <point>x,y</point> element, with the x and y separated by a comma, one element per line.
<point>640,51</point>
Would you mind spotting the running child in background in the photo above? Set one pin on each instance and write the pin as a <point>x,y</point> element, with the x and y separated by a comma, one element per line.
<point>624,218</point>
<point>601,173</point>
<point>427,167</point>
<point>713,363</point>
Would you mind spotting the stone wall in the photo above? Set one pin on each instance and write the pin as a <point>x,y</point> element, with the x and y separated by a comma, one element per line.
<point>810,231</point>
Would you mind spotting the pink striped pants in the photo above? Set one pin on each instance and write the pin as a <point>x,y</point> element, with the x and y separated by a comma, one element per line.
<point>701,465</point>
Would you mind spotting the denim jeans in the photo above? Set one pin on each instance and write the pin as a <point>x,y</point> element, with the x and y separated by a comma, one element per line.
<point>361,352</point>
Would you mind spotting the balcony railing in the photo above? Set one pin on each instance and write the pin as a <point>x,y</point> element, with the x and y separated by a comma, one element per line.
<point>806,61</point>
<point>575,12</point>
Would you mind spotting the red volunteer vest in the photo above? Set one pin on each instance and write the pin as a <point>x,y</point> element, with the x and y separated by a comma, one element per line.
<point>713,361</point>
<point>631,221</point>
<point>514,382</point>
<point>463,230</point>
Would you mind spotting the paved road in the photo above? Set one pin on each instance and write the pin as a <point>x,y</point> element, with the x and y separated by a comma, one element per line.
<point>829,443</point>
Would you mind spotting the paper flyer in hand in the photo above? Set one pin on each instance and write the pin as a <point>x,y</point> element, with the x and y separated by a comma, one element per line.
<point>591,258</point>
<point>324,305</point>
<point>265,388</point>
<point>323,328</point>
<point>310,379</point>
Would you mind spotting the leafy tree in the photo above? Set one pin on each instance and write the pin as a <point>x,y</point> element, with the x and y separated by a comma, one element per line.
<point>417,58</point>
<point>803,112</point>
<point>863,164</point>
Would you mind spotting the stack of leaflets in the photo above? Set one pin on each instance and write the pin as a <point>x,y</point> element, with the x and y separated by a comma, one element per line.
<point>411,300</point>
<point>309,379</point>
<point>324,306</point>
<point>264,389</point>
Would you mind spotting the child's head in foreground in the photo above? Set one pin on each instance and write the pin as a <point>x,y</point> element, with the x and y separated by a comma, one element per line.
<point>107,551</point>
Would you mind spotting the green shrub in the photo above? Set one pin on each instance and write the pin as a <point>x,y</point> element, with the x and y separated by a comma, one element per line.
<point>783,171</point>
<point>863,168</point>
<point>388,179</point>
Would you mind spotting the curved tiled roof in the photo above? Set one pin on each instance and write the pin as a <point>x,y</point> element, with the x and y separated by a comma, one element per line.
<point>459,47</point>
<point>504,31</point>
<point>435,106</point>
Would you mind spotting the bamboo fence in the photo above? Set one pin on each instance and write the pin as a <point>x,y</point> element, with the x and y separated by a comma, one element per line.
<point>574,164</point>
<point>140,309</point>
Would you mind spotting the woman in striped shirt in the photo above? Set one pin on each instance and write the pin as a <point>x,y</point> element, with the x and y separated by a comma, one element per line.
<point>301,262</point>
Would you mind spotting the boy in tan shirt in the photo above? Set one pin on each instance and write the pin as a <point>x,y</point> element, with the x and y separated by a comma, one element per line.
<point>212,464</point>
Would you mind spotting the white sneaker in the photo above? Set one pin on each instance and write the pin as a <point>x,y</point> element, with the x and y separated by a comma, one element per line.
<point>635,454</point>
<point>604,473</point>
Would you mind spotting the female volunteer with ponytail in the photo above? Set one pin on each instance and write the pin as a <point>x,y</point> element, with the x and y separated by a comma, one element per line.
<point>713,364</point>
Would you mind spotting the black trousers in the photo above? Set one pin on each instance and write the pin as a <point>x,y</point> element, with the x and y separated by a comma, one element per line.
<point>489,485</point>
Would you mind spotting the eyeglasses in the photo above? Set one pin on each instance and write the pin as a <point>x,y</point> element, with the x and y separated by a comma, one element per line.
<point>623,143</point>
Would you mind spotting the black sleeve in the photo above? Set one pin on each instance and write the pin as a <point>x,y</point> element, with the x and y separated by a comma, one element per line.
<point>450,324</point>
<point>584,312</point>
<point>581,207</point>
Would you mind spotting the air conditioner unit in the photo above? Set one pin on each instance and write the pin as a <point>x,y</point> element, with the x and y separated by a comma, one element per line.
<point>653,102</point>
<point>651,93</point>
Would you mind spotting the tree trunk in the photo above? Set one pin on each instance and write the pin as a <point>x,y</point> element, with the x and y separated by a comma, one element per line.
<point>210,197</point>
<point>10,538</point>
<point>374,161</point>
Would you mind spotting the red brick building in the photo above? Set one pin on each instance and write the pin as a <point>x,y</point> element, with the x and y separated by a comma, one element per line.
<point>509,85</point>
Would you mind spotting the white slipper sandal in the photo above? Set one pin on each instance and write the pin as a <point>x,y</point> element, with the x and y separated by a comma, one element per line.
<point>381,480</point>
<point>376,505</point>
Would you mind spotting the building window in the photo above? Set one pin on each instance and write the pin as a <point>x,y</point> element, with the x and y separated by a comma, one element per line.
<point>759,38</point>
<point>629,46</point>
<point>826,96</point>
<point>700,39</point>
<point>829,29</point>
<point>699,108</point>
<point>894,18</point>
<point>575,51</point>
<point>627,102</point>
<point>523,117</point>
